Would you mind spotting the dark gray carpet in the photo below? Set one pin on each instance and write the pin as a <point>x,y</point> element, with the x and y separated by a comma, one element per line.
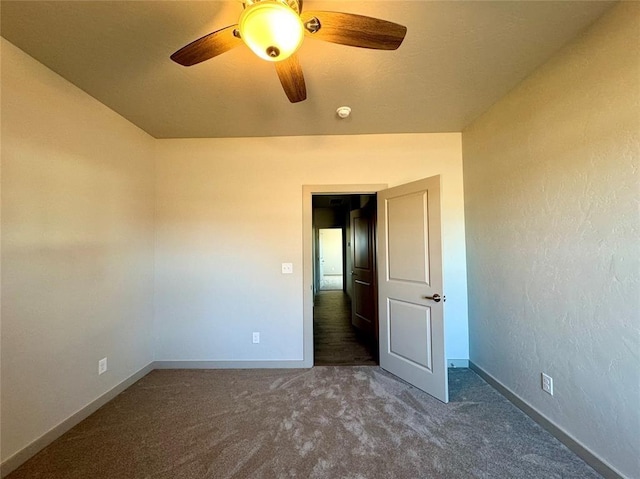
<point>325,422</point>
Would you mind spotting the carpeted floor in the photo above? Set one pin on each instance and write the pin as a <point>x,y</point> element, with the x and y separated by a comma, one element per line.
<point>335,340</point>
<point>325,422</point>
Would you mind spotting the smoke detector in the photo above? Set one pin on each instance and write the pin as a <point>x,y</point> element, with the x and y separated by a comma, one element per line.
<point>343,112</point>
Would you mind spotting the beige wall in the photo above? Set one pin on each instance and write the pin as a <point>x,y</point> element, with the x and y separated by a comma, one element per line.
<point>229,212</point>
<point>77,249</point>
<point>552,191</point>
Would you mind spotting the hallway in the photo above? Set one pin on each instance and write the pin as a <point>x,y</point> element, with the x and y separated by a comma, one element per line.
<point>335,340</point>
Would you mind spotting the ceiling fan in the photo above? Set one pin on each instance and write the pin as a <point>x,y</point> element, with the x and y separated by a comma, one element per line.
<point>274,30</point>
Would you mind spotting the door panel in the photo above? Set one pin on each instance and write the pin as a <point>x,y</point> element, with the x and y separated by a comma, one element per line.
<point>406,322</point>
<point>362,241</point>
<point>408,238</point>
<point>409,274</point>
<point>363,275</point>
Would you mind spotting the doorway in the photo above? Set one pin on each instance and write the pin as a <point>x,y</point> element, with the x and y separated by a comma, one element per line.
<point>330,259</point>
<point>344,300</point>
<point>409,280</point>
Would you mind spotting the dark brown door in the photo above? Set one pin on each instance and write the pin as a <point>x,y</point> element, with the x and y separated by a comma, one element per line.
<point>363,276</point>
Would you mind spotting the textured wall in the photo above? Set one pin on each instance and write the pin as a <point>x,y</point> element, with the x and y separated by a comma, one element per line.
<point>229,211</point>
<point>77,249</point>
<point>551,202</point>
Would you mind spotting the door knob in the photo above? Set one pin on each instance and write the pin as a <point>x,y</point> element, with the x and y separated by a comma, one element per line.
<point>436,297</point>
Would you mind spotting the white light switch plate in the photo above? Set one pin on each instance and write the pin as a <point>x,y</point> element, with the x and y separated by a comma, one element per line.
<point>287,268</point>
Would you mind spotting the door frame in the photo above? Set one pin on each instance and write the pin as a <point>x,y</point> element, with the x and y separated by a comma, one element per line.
<point>307,252</point>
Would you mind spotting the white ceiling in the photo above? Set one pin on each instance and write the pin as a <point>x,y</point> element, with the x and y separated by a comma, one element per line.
<point>457,59</point>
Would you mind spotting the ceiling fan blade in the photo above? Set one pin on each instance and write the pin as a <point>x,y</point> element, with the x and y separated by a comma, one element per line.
<point>354,30</point>
<point>207,47</point>
<point>292,79</point>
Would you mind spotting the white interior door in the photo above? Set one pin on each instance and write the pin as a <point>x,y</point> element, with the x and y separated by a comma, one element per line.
<point>410,296</point>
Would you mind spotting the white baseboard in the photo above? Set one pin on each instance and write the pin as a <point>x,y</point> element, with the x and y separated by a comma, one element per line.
<point>229,365</point>
<point>16,460</point>
<point>579,449</point>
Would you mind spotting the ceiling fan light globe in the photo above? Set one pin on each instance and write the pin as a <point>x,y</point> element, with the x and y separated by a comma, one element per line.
<point>271,26</point>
